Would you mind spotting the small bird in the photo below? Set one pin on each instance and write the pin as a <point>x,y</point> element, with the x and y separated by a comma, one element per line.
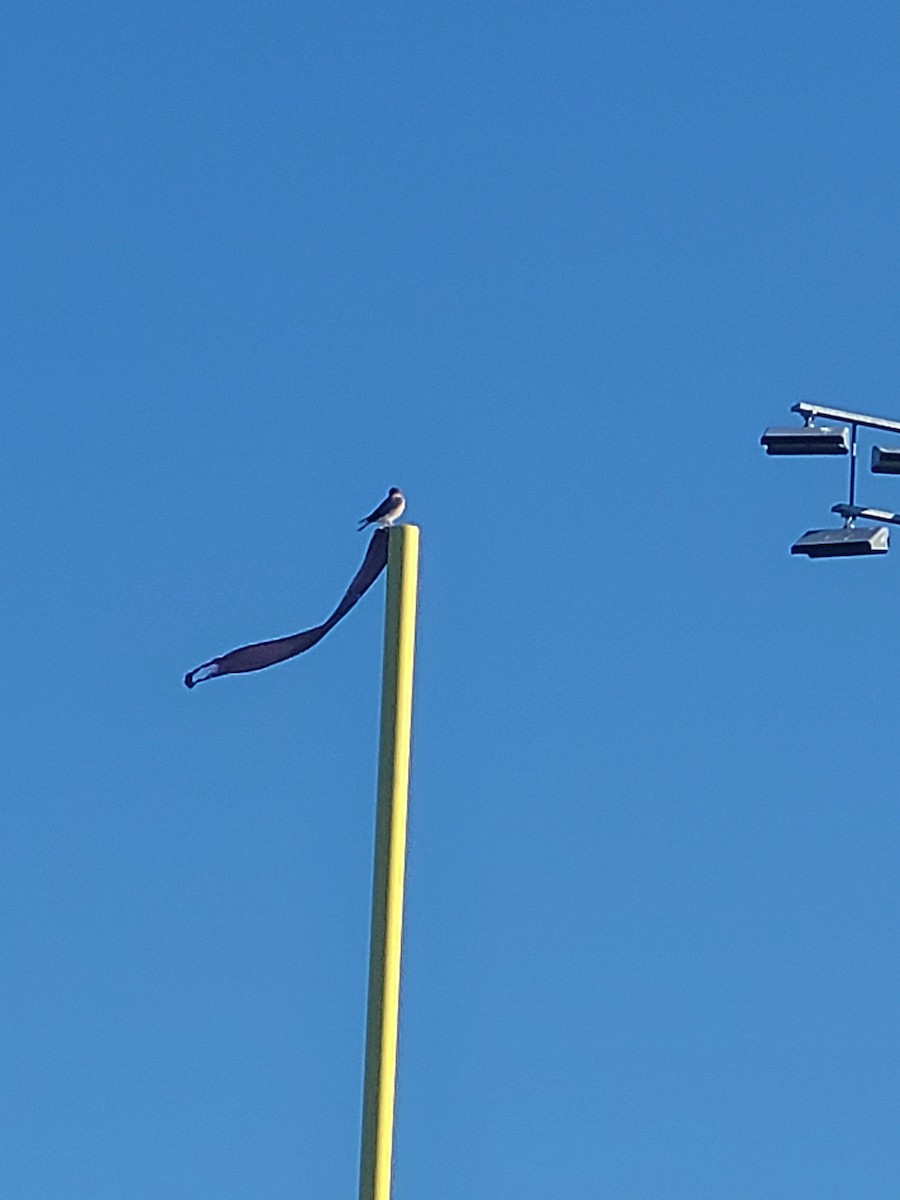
<point>387,511</point>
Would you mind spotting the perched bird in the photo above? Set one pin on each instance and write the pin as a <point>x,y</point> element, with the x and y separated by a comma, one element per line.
<point>387,511</point>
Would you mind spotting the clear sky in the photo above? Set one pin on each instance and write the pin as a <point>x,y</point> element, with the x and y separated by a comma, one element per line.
<point>551,269</point>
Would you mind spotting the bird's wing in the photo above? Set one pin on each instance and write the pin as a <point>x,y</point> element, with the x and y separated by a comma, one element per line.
<point>384,507</point>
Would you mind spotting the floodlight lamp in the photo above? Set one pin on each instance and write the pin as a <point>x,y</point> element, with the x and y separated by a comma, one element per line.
<point>843,543</point>
<point>886,460</point>
<point>807,439</point>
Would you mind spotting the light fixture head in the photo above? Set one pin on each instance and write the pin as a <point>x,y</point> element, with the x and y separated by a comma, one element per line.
<point>843,543</point>
<point>886,460</point>
<point>807,439</point>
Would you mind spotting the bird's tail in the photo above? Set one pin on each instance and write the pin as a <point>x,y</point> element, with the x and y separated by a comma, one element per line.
<point>363,523</point>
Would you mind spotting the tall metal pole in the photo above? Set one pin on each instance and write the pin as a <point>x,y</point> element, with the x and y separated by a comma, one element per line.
<point>390,862</point>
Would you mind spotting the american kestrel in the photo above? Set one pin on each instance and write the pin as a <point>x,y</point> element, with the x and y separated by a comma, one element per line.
<point>387,511</point>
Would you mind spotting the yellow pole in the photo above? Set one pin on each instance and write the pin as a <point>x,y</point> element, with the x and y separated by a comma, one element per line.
<point>390,862</point>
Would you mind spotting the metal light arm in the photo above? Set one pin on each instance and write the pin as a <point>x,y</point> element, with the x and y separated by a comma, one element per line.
<point>851,511</point>
<point>811,412</point>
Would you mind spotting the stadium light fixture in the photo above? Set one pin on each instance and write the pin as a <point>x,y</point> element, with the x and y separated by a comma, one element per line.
<point>851,540</point>
<point>806,439</point>
<point>886,460</point>
<point>843,543</point>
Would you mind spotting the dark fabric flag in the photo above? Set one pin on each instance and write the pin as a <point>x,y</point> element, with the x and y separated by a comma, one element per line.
<point>265,654</point>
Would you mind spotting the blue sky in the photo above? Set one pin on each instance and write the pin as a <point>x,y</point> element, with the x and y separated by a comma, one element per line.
<point>551,270</point>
